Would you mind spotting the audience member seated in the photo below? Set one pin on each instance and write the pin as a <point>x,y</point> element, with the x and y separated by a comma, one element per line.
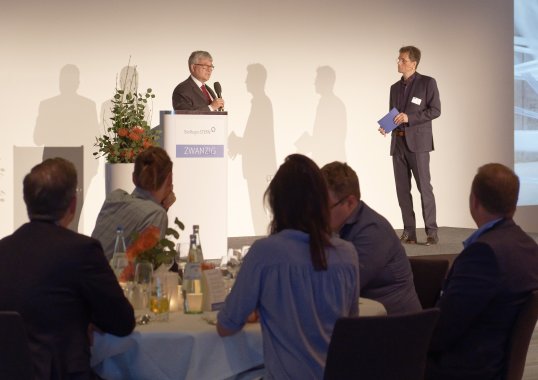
<point>486,286</point>
<point>385,271</point>
<point>299,278</point>
<point>58,280</point>
<point>145,206</point>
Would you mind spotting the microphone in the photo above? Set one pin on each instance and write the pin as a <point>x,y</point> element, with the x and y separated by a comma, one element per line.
<point>218,90</point>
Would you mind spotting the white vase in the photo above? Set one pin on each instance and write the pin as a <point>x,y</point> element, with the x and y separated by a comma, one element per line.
<point>119,176</point>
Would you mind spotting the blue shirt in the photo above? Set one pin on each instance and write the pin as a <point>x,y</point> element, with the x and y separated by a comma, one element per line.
<point>475,235</point>
<point>298,306</point>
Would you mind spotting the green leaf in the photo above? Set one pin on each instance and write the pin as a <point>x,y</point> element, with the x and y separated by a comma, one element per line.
<point>179,224</point>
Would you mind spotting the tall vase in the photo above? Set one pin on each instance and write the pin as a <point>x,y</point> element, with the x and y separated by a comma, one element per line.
<point>119,176</point>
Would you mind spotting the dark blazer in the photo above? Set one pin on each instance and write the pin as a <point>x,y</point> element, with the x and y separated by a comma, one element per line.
<point>385,271</point>
<point>481,298</point>
<point>60,282</point>
<point>188,96</point>
<point>418,133</point>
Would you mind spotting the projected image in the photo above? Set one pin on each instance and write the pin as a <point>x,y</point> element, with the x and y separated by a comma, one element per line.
<point>526,99</point>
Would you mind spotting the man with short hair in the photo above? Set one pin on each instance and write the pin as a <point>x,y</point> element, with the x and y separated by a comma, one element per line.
<point>194,94</point>
<point>385,271</point>
<point>58,280</point>
<point>486,286</point>
<point>416,98</point>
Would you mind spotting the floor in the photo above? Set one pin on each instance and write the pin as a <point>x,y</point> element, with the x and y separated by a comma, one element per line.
<point>450,242</point>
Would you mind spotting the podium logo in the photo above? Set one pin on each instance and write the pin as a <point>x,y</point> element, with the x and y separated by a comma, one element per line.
<point>197,151</point>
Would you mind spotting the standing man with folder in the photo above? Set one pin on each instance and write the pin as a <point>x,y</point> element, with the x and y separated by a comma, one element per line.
<point>417,99</point>
<point>193,94</point>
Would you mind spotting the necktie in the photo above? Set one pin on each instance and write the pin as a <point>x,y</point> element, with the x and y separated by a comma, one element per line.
<point>206,94</point>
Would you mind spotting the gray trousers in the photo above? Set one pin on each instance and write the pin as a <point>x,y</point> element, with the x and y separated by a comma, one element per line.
<point>406,163</point>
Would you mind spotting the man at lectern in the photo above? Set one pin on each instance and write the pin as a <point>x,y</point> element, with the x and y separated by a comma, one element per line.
<point>193,94</point>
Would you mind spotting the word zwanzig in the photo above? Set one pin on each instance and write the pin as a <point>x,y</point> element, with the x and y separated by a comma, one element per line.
<point>199,151</point>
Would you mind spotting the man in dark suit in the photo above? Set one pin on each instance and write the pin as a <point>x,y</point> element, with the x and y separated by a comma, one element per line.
<point>486,286</point>
<point>193,94</point>
<point>58,280</point>
<point>416,98</point>
<point>385,271</point>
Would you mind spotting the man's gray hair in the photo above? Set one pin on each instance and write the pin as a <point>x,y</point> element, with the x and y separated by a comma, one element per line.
<point>197,55</point>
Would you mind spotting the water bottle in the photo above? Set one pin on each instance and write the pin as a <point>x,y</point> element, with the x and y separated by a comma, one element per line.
<point>119,259</point>
<point>196,233</point>
<point>192,280</point>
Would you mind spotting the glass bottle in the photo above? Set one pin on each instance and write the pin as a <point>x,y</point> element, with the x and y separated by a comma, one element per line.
<point>196,233</point>
<point>192,280</point>
<point>119,259</point>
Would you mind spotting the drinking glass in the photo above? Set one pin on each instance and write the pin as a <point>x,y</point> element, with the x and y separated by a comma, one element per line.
<point>142,285</point>
<point>159,302</point>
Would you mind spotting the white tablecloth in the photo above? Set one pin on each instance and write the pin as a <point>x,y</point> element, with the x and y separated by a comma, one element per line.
<point>185,347</point>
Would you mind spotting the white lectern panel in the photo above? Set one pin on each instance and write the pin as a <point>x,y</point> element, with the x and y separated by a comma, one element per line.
<point>196,143</point>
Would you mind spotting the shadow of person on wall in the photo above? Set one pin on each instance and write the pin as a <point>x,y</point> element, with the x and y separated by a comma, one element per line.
<point>257,146</point>
<point>328,140</point>
<point>69,120</point>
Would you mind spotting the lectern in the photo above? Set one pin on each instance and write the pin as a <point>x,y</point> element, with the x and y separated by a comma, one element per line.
<point>197,144</point>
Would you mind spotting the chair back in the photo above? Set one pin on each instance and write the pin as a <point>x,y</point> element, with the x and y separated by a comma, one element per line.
<point>381,348</point>
<point>15,358</point>
<point>428,276</point>
<point>520,337</point>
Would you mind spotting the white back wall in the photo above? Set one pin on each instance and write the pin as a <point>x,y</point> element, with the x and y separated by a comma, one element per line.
<point>466,46</point>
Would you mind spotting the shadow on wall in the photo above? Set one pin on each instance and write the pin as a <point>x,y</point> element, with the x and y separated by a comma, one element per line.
<point>69,120</point>
<point>328,140</point>
<point>257,146</point>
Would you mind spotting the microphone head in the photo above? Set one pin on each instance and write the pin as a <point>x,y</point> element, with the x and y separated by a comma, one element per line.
<point>218,89</point>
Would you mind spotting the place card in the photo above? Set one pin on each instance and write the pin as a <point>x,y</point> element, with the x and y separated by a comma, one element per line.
<point>214,291</point>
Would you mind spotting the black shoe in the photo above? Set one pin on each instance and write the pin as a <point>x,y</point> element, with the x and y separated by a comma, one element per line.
<point>408,239</point>
<point>431,240</point>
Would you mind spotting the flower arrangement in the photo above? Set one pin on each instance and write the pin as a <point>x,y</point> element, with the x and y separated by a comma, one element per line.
<point>148,246</point>
<point>130,132</point>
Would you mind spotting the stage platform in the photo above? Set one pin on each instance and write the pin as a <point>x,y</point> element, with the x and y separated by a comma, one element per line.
<point>449,246</point>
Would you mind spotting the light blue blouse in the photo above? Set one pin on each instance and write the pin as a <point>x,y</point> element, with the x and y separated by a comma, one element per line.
<point>298,306</point>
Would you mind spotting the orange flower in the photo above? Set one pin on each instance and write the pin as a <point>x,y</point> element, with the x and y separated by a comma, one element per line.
<point>147,239</point>
<point>128,272</point>
<point>138,130</point>
<point>147,144</point>
<point>134,136</point>
<point>122,132</point>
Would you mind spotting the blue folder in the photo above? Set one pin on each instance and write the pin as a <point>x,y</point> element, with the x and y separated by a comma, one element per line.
<point>387,121</point>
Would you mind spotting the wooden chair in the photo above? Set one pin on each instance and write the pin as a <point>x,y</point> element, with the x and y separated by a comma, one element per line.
<point>428,276</point>
<point>521,336</point>
<point>15,359</point>
<point>380,348</point>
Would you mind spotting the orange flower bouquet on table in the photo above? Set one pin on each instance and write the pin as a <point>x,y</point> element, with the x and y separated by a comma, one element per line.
<point>148,246</point>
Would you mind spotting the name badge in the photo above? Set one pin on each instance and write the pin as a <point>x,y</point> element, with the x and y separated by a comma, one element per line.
<point>417,101</point>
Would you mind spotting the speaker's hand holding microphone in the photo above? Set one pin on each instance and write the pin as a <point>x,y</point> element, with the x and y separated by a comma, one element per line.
<point>218,103</point>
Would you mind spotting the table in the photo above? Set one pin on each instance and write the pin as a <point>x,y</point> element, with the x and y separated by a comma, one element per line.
<point>185,347</point>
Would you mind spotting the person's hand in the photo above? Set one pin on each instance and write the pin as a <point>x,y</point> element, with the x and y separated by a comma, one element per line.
<point>169,200</point>
<point>253,317</point>
<point>401,118</point>
<point>217,104</point>
<point>382,131</point>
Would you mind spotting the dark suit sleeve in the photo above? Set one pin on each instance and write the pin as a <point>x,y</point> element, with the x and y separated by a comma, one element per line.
<point>432,105</point>
<point>185,98</point>
<point>110,310</point>
<point>473,281</point>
